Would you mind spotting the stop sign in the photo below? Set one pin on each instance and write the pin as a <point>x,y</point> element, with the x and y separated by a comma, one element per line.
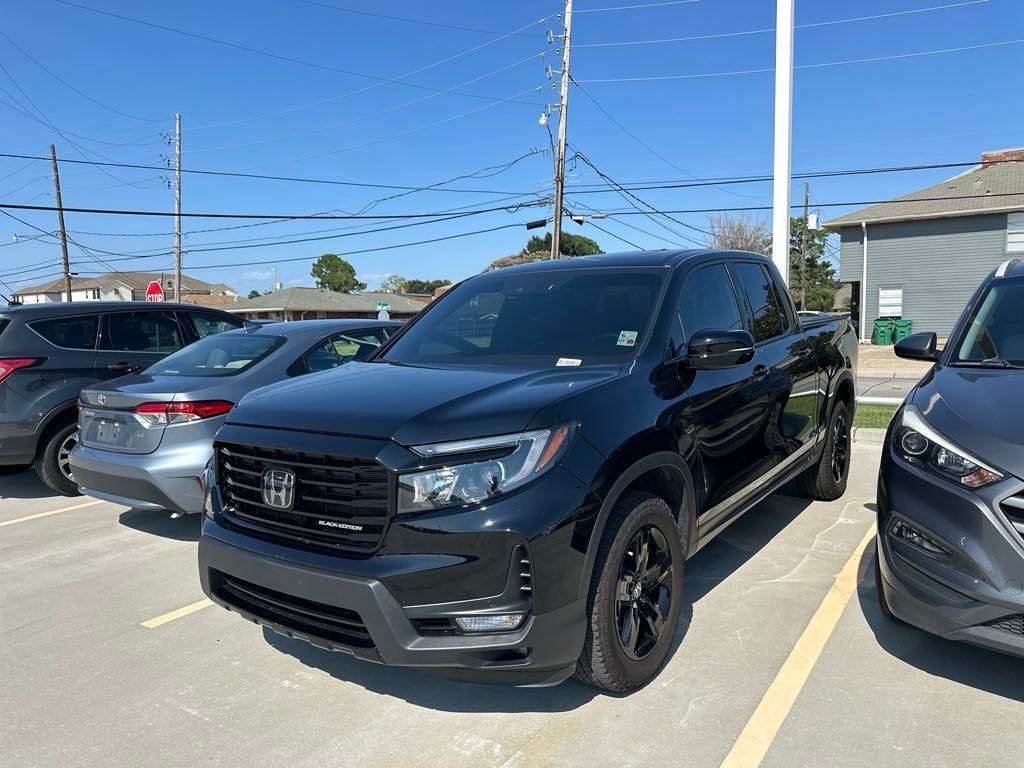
<point>154,292</point>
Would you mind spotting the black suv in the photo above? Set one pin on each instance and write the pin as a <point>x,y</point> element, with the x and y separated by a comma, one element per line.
<point>508,491</point>
<point>49,352</point>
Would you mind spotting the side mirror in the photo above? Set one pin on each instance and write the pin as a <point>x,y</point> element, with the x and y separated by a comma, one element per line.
<point>720,349</point>
<point>918,346</point>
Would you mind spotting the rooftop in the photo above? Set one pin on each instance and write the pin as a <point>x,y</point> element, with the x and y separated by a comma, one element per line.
<point>321,300</point>
<point>134,280</point>
<point>995,185</point>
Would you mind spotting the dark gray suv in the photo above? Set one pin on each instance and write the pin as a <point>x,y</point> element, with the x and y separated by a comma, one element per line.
<point>49,352</point>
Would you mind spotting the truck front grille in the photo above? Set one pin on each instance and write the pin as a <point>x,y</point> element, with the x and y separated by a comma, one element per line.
<point>1014,624</point>
<point>337,502</point>
<point>311,620</point>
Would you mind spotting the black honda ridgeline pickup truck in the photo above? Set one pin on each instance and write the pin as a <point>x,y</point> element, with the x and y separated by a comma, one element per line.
<point>509,490</point>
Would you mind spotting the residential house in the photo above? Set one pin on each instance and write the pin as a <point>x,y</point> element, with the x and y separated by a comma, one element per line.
<point>129,286</point>
<point>921,256</point>
<point>320,303</point>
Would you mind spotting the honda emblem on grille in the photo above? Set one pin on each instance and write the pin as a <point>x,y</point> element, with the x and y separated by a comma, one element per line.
<point>278,488</point>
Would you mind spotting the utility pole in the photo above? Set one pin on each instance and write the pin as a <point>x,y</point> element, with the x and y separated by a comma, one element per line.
<point>563,117</point>
<point>60,222</point>
<point>783,135</point>
<point>177,207</point>
<point>803,246</point>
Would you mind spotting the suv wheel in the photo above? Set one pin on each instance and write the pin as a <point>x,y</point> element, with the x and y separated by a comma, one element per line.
<point>826,480</point>
<point>53,464</point>
<point>635,596</point>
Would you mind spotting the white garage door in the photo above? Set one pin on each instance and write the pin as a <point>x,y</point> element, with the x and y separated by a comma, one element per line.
<point>890,302</point>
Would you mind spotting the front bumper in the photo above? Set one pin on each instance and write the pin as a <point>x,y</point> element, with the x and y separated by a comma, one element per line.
<point>523,553</point>
<point>974,592</point>
<point>166,479</point>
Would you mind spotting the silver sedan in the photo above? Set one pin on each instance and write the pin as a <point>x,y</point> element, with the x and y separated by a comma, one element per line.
<point>145,439</point>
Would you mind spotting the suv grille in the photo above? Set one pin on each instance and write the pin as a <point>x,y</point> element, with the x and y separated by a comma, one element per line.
<point>339,502</point>
<point>1013,508</point>
<point>318,620</point>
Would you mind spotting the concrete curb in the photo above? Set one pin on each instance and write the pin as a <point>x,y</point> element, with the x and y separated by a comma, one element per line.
<point>868,436</point>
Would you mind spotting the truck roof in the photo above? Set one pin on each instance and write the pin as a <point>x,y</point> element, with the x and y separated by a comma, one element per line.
<point>660,258</point>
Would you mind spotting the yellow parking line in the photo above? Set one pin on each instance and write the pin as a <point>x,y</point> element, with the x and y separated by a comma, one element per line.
<point>37,515</point>
<point>760,731</point>
<point>185,611</point>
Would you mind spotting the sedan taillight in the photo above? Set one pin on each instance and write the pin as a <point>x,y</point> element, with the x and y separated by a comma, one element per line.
<point>9,365</point>
<point>182,413</point>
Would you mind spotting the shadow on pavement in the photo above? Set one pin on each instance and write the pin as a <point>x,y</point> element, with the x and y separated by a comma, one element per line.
<point>970,665</point>
<point>710,567</point>
<point>185,528</point>
<point>23,484</point>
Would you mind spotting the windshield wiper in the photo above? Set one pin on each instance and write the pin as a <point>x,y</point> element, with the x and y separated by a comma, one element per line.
<point>988,362</point>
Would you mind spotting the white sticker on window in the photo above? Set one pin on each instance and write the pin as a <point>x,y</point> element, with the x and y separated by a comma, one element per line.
<point>627,339</point>
<point>568,362</point>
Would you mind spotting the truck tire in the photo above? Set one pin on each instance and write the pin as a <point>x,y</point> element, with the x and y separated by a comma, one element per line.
<point>631,621</point>
<point>826,480</point>
<point>52,466</point>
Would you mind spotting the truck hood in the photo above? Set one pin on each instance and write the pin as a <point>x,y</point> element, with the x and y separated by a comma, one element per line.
<point>413,405</point>
<point>978,409</point>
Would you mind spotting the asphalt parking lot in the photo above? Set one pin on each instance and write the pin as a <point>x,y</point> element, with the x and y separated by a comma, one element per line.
<point>108,659</point>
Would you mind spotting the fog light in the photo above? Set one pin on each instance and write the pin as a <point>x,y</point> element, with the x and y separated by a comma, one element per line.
<point>904,532</point>
<point>499,622</point>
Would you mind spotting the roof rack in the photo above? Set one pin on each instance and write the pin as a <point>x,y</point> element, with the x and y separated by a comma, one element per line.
<point>1005,266</point>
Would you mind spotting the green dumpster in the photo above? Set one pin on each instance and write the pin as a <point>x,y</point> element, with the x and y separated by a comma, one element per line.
<point>883,332</point>
<point>901,329</point>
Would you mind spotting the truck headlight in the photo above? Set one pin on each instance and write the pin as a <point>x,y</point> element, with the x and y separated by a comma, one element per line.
<point>511,461</point>
<point>917,443</point>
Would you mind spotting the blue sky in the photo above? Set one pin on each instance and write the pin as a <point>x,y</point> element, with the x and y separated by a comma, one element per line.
<point>247,112</point>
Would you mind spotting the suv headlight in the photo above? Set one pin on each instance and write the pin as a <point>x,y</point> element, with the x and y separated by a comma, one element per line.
<point>512,461</point>
<point>917,443</point>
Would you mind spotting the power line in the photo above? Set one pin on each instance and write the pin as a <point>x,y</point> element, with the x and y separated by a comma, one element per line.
<point>767,30</point>
<point>68,85</point>
<point>265,53</point>
<point>636,7</point>
<point>630,197</point>
<point>617,237</point>
<point>412,21</point>
<point>637,139</point>
<point>915,54</point>
<point>359,118</point>
<point>262,176</point>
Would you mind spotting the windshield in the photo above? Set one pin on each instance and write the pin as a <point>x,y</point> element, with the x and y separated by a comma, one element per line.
<point>224,354</point>
<point>559,317</point>
<point>996,328</point>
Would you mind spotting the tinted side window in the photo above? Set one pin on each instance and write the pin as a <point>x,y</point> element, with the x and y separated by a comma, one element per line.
<point>708,303</point>
<point>322,357</point>
<point>766,306</point>
<point>208,323</point>
<point>142,332</point>
<point>357,345</point>
<point>69,332</point>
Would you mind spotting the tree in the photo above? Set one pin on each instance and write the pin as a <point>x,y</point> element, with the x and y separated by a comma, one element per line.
<point>424,286</point>
<point>399,284</point>
<point>336,274</point>
<point>818,272</point>
<point>738,234</point>
<point>539,248</point>
<point>253,293</point>
<point>393,284</point>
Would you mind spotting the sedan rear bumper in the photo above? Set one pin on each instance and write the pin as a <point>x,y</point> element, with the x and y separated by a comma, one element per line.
<point>166,479</point>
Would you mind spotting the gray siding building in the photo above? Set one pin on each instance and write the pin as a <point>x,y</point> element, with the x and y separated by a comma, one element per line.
<point>921,256</point>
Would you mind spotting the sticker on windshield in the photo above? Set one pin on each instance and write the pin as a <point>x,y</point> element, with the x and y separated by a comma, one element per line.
<point>627,339</point>
<point>568,362</point>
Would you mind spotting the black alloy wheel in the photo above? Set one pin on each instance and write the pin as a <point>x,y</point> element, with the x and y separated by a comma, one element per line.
<point>643,592</point>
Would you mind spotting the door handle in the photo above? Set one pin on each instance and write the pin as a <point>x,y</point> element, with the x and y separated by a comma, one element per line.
<point>804,352</point>
<point>121,368</point>
<point>760,372</point>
